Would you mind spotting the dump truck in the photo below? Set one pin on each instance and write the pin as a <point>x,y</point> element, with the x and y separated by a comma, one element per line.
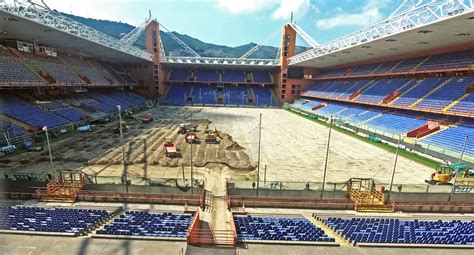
<point>169,148</point>
<point>191,137</point>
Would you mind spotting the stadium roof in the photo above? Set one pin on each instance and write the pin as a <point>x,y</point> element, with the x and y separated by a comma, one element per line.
<point>456,28</point>
<point>34,22</point>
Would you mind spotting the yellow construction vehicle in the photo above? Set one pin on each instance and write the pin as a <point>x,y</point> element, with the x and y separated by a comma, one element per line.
<point>210,136</point>
<point>445,174</point>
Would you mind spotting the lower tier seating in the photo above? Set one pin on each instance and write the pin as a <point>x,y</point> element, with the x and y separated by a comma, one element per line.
<point>395,231</point>
<point>58,220</point>
<point>453,139</point>
<point>279,229</point>
<point>136,223</point>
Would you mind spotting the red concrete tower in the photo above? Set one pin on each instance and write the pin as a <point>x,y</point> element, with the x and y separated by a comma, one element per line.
<point>288,49</point>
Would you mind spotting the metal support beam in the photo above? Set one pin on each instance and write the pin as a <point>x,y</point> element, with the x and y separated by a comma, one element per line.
<point>402,20</point>
<point>40,13</point>
<point>262,43</point>
<point>181,43</point>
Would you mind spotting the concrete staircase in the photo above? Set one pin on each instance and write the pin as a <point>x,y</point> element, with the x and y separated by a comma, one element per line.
<point>430,93</point>
<point>395,66</point>
<point>404,93</point>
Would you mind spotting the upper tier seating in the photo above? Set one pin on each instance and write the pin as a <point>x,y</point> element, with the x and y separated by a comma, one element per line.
<point>466,105</point>
<point>261,77</point>
<point>379,90</point>
<point>386,67</point>
<point>13,71</point>
<point>233,76</point>
<point>179,75</point>
<point>417,92</point>
<point>59,220</point>
<point>395,124</point>
<point>278,229</point>
<point>92,75</point>
<point>453,139</point>
<point>364,69</point>
<point>136,223</point>
<point>29,114</point>
<point>54,67</point>
<point>460,59</point>
<point>207,75</point>
<point>365,230</point>
<point>407,65</point>
<point>449,92</point>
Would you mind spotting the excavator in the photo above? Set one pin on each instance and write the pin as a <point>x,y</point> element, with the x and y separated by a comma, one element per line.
<point>210,136</point>
<point>446,173</point>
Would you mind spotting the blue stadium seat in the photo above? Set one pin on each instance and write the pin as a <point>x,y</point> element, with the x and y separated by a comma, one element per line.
<point>278,229</point>
<point>141,223</point>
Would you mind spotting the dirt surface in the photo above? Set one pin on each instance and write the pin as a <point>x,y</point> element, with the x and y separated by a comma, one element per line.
<point>292,148</point>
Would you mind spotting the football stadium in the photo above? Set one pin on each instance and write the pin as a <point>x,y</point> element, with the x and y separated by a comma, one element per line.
<point>141,143</point>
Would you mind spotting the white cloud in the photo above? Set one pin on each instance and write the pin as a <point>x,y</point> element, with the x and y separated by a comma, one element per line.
<point>246,6</point>
<point>281,8</point>
<point>371,13</point>
<point>298,7</point>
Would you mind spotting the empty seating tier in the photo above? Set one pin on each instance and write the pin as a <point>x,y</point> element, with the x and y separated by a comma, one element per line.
<point>452,139</point>
<point>396,231</point>
<point>279,229</point>
<point>137,223</point>
<point>53,220</point>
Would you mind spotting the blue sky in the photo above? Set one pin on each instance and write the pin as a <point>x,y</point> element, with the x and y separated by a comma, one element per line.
<point>237,22</point>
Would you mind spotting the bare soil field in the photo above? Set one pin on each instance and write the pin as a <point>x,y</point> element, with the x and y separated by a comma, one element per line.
<point>292,148</point>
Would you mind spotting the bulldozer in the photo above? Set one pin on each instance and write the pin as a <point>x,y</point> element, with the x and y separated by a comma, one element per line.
<point>445,174</point>
<point>210,136</point>
<point>124,128</point>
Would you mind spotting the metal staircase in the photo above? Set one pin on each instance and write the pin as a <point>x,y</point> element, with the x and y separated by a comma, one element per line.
<point>366,198</point>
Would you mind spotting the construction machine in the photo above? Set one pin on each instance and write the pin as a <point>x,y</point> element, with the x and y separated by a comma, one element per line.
<point>210,136</point>
<point>185,127</point>
<point>445,174</point>
<point>170,148</point>
<point>191,137</point>
<point>124,128</point>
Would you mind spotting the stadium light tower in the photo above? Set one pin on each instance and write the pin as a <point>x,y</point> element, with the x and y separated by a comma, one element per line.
<point>394,166</point>
<point>327,156</point>
<point>123,149</point>
<point>51,167</point>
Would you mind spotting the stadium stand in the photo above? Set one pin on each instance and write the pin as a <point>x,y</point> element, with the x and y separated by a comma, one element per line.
<point>396,231</point>
<point>379,90</point>
<point>395,124</point>
<point>54,68</point>
<point>179,75</point>
<point>31,115</point>
<point>233,76</point>
<point>204,94</point>
<point>236,95</point>
<point>461,59</point>
<point>177,94</point>
<point>261,77</point>
<point>12,70</point>
<point>449,92</point>
<point>466,105</point>
<point>263,96</point>
<point>10,128</point>
<point>53,220</point>
<point>279,229</point>
<point>452,139</point>
<point>207,75</point>
<point>136,223</point>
